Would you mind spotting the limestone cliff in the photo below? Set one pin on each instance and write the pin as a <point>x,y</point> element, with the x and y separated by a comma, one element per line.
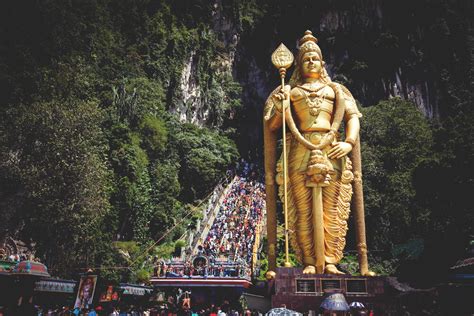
<point>378,49</point>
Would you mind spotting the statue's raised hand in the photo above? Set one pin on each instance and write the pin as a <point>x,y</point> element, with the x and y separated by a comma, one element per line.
<point>282,99</point>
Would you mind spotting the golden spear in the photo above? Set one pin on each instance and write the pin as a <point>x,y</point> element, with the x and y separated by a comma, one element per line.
<point>282,59</point>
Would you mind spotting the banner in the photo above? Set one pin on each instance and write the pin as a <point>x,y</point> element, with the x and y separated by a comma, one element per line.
<point>85,294</point>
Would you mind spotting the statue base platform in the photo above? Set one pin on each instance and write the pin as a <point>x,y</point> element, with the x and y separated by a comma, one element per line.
<point>305,292</point>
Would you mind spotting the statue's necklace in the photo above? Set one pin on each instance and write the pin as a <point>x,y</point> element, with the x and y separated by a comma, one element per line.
<point>313,100</point>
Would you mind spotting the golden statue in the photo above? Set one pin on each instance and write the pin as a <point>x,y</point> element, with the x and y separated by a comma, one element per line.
<point>317,173</point>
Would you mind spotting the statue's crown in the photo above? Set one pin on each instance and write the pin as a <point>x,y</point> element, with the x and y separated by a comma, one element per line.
<point>308,36</point>
<point>308,43</point>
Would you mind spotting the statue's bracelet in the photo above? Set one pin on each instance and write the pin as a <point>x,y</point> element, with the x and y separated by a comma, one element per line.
<point>350,141</point>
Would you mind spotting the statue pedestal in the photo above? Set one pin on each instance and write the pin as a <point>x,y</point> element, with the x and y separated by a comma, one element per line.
<point>305,292</point>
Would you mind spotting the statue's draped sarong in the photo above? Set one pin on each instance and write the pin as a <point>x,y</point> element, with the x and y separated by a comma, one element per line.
<point>336,202</point>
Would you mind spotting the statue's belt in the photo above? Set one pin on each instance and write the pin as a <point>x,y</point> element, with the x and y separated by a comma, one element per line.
<point>315,137</point>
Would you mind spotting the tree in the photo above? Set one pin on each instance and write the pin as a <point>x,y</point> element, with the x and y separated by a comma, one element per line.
<point>396,140</point>
<point>62,179</point>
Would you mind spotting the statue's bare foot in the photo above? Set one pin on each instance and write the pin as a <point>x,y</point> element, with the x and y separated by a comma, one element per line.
<point>331,269</point>
<point>369,273</point>
<point>309,270</point>
<point>270,275</point>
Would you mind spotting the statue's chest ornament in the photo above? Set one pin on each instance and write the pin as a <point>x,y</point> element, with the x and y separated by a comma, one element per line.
<point>313,99</point>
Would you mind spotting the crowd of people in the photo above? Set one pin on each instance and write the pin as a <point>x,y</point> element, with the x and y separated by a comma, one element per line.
<point>206,268</point>
<point>234,229</point>
<point>229,246</point>
<point>213,310</point>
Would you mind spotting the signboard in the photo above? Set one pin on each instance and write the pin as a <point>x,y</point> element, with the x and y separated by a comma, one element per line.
<point>356,286</point>
<point>330,284</point>
<point>305,286</point>
<point>137,290</point>
<point>55,286</point>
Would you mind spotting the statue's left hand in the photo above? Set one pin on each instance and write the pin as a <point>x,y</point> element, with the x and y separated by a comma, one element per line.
<point>339,150</point>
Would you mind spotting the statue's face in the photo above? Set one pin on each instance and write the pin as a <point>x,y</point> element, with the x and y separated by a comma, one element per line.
<point>311,65</point>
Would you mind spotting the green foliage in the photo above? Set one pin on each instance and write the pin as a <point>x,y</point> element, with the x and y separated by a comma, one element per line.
<point>164,250</point>
<point>205,156</point>
<point>179,244</point>
<point>383,264</point>
<point>246,13</point>
<point>129,248</point>
<point>396,140</point>
<point>151,95</point>
<point>350,264</point>
<point>177,247</point>
<point>379,265</point>
<point>416,186</point>
<point>59,167</point>
<point>143,275</point>
<point>154,133</point>
<point>224,96</point>
<point>165,190</point>
<point>140,265</point>
<point>410,250</point>
<point>132,197</point>
<point>281,255</point>
<point>86,140</point>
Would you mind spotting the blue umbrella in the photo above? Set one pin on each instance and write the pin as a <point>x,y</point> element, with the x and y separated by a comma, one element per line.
<point>282,312</point>
<point>335,302</point>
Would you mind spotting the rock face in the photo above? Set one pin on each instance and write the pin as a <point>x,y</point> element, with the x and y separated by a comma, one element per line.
<point>376,48</point>
<point>190,109</point>
<point>196,105</point>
